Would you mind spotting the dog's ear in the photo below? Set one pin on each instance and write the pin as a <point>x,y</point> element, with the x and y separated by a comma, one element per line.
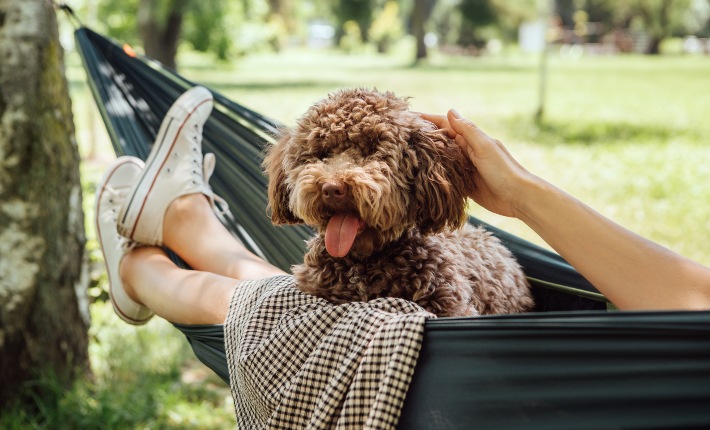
<point>442,181</point>
<point>278,193</point>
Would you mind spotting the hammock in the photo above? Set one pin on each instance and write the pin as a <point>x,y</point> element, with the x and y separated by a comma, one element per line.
<point>569,365</point>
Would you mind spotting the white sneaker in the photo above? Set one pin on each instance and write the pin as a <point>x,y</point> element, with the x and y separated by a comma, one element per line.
<point>110,194</point>
<point>174,168</point>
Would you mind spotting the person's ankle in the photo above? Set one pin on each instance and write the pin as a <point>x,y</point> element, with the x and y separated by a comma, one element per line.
<point>124,270</point>
<point>185,210</point>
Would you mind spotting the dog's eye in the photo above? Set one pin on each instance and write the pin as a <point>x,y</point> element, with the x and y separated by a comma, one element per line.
<point>317,153</point>
<point>321,155</point>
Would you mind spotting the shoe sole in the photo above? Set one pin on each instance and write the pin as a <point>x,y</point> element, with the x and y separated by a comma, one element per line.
<point>156,161</point>
<point>112,277</point>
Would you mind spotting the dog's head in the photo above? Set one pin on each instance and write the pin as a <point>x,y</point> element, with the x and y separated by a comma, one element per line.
<point>361,169</point>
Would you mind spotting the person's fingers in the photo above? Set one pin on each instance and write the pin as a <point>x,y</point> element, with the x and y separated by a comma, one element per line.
<point>464,146</point>
<point>441,121</point>
<point>465,127</point>
<point>436,119</point>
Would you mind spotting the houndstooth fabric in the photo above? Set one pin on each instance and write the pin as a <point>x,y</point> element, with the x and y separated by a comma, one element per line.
<point>297,361</point>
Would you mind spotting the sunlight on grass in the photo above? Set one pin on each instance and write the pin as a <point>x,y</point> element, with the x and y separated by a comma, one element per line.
<point>628,135</point>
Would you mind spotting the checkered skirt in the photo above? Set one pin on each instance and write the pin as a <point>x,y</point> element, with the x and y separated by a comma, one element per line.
<point>298,361</point>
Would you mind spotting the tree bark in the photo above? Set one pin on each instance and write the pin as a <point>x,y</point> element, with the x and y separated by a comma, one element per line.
<point>660,20</point>
<point>43,278</point>
<point>418,20</point>
<point>161,34</point>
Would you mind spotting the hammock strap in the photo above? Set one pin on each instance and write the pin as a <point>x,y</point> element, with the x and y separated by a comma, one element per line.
<point>76,22</point>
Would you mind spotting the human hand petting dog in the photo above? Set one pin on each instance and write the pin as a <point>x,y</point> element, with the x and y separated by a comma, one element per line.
<point>633,272</point>
<point>501,183</point>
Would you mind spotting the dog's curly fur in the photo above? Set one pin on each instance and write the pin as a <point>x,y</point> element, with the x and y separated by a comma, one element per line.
<point>407,183</point>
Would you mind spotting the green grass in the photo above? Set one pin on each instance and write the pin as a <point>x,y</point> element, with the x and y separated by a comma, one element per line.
<point>143,378</point>
<point>628,135</point>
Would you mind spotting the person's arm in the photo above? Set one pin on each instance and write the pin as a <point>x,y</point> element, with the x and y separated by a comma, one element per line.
<point>632,272</point>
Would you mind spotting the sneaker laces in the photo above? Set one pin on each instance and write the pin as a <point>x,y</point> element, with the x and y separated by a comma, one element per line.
<point>115,193</point>
<point>124,244</point>
<point>115,196</point>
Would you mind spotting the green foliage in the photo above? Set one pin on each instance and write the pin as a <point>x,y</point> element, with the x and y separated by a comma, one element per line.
<point>446,21</point>
<point>660,19</point>
<point>205,28</point>
<point>136,384</point>
<point>351,40</point>
<point>223,28</point>
<point>387,27</point>
<point>118,20</point>
<point>482,20</point>
<point>359,11</point>
<point>478,12</point>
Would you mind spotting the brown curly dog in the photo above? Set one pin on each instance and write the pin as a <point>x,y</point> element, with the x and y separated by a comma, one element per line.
<point>386,193</point>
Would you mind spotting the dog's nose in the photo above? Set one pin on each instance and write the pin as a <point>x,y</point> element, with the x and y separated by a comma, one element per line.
<point>334,192</point>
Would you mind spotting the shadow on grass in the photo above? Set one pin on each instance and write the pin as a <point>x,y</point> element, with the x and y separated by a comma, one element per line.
<point>469,67</point>
<point>553,132</point>
<point>255,86</point>
<point>77,85</point>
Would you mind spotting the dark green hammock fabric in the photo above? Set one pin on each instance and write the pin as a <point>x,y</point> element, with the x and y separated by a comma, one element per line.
<point>580,368</point>
<point>557,370</point>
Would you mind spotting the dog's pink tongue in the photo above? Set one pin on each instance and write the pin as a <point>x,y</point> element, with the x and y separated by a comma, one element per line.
<point>340,234</point>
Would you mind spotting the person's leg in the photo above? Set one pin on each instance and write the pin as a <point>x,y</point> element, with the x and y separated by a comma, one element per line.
<point>193,232</point>
<point>181,296</point>
<point>199,296</point>
<point>170,203</point>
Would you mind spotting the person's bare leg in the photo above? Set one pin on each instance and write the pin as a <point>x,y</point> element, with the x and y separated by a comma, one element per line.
<point>193,232</point>
<point>199,296</point>
<point>177,295</point>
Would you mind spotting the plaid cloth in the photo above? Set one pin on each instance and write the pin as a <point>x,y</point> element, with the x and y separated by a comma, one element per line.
<point>297,361</point>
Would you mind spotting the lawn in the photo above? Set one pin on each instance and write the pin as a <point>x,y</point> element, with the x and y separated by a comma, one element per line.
<point>628,135</point>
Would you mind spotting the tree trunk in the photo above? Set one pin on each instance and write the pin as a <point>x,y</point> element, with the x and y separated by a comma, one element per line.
<point>654,46</point>
<point>161,34</point>
<point>662,29</point>
<point>418,21</point>
<point>43,278</point>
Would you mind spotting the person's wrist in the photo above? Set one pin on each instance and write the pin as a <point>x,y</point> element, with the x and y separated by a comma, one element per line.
<point>531,192</point>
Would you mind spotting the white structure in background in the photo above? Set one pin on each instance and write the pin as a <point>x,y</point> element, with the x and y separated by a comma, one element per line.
<point>694,45</point>
<point>320,35</point>
<point>531,36</point>
<point>431,40</point>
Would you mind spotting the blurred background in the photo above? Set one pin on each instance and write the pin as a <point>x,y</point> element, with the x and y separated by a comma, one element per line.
<point>607,99</point>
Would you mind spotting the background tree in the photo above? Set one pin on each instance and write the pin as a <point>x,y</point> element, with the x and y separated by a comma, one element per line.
<point>472,23</point>
<point>206,28</point>
<point>657,19</point>
<point>387,26</point>
<point>476,14</point>
<point>43,303</point>
<point>359,11</point>
<point>660,18</point>
<point>224,28</point>
<point>160,25</point>
<point>421,11</point>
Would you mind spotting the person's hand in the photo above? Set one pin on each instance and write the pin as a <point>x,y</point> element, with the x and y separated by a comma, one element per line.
<point>500,181</point>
